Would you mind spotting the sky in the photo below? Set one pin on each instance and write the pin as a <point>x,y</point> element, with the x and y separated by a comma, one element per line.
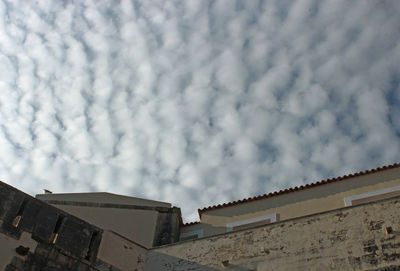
<point>196,102</point>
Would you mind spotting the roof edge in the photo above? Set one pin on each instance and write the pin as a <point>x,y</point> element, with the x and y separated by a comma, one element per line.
<point>297,188</point>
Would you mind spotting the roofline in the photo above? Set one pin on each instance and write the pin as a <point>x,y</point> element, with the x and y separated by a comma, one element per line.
<point>297,188</point>
<point>43,196</point>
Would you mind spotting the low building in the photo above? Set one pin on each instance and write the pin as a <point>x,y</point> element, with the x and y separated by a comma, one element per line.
<point>149,223</point>
<point>325,195</point>
<point>345,223</point>
<point>83,231</point>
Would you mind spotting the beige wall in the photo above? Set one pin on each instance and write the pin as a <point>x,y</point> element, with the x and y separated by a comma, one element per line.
<point>102,197</point>
<point>8,246</point>
<point>137,225</point>
<point>351,238</point>
<point>121,253</point>
<point>296,204</point>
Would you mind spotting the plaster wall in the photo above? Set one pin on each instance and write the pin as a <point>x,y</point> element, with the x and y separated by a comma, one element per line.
<point>121,252</point>
<point>297,204</point>
<point>363,237</point>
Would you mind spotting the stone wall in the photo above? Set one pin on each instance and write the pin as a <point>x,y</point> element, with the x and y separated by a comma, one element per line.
<point>364,237</point>
<point>37,236</point>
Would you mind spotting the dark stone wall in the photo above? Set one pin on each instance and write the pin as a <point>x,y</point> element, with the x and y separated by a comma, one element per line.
<point>168,221</point>
<point>49,258</point>
<point>75,247</point>
<point>167,228</point>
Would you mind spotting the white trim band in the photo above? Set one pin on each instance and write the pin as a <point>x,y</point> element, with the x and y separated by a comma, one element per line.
<point>348,200</point>
<point>270,217</point>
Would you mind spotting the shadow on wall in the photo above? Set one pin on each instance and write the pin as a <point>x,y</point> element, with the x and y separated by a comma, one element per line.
<point>157,261</point>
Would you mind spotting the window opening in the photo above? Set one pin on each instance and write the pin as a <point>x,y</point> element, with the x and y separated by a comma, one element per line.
<point>21,209</point>
<point>59,223</point>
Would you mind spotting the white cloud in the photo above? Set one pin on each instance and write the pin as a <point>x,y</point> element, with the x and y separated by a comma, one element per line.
<point>196,102</point>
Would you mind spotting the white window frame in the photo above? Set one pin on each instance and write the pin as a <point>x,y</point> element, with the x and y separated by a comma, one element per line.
<point>348,200</point>
<point>199,233</point>
<point>272,218</point>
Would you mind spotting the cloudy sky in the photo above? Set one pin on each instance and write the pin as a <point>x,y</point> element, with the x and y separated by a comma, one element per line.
<point>196,102</point>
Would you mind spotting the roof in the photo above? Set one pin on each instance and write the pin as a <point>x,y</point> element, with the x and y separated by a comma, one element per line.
<point>101,197</point>
<point>294,189</point>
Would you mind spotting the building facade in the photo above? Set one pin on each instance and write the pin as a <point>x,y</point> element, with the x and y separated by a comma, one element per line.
<point>158,221</point>
<point>309,199</point>
<point>346,223</point>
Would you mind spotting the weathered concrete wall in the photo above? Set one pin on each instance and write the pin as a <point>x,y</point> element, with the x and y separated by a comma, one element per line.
<point>141,220</point>
<point>121,252</point>
<point>167,228</point>
<point>50,258</point>
<point>9,244</point>
<point>44,237</point>
<point>137,225</point>
<point>364,237</point>
<point>148,227</point>
<point>36,236</point>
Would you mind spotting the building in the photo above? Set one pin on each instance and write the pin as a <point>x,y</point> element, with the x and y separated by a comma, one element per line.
<point>296,202</point>
<point>159,221</point>
<point>345,223</point>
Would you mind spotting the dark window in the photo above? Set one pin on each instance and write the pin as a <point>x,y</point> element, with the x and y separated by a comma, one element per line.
<point>21,209</point>
<point>59,223</point>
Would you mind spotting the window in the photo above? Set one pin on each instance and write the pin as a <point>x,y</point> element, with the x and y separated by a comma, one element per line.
<point>372,196</point>
<point>191,235</point>
<point>60,221</point>
<point>21,209</point>
<point>251,222</point>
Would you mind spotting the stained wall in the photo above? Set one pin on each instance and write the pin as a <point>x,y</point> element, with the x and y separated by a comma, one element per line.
<point>364,237</point>
<point>298,203</point>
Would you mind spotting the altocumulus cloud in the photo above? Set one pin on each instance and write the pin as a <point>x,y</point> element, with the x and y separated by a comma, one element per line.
<point>196,102</point>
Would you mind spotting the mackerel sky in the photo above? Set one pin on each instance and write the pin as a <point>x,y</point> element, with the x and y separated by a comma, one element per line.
<point>196,102</point>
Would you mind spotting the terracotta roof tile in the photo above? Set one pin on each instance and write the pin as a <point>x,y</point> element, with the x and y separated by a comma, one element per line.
<point>296,188</point>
